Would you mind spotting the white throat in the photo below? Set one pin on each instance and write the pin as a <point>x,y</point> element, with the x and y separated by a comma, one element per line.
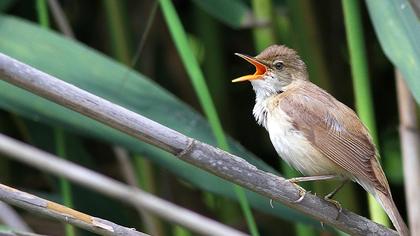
<point>260,112</point>
<point>263,91</point>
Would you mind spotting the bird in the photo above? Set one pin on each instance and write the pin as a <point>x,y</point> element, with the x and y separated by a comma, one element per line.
<point>312,131</point>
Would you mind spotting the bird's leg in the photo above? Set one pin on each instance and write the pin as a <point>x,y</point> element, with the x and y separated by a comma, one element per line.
<point>311,178</point>
<point>302,191</point>
<point>329,197</point>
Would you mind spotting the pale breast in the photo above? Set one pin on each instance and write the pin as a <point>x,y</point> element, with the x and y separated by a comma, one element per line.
<point>295,149</point>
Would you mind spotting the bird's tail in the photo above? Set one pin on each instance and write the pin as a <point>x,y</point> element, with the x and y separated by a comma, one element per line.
<point>391,210</point>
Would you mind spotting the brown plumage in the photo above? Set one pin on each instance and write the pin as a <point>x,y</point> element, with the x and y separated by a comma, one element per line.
<point>332,127</point>
<point>311,130</point>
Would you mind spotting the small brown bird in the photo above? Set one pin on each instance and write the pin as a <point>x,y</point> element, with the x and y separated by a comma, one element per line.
<point>312,131</point>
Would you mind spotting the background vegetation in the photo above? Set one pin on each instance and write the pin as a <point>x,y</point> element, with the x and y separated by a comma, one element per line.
<point>182,57</point>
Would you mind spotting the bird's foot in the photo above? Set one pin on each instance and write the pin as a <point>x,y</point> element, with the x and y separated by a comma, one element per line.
<point>336,204</point>
<point>302,191</point>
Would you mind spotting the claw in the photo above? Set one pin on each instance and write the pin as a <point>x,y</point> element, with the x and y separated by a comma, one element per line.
<point>336,204</point>
<point>302,191</point>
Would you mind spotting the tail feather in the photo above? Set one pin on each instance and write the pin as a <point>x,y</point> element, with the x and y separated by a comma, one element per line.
<point>391,210</point>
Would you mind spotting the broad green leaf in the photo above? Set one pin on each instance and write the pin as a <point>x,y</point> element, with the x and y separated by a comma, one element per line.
<point>94,72</point>
<point>398,30</point>
<point>234,13</point>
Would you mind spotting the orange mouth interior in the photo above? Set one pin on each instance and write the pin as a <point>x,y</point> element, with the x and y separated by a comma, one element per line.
<point>260,69</point>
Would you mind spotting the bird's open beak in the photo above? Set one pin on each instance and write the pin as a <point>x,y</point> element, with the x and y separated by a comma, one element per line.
<point>260,69</point>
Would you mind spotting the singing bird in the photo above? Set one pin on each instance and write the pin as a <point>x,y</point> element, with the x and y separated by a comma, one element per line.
<point>312,131</point>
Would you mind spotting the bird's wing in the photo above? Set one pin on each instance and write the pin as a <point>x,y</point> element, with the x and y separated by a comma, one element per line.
<point>334,130</point>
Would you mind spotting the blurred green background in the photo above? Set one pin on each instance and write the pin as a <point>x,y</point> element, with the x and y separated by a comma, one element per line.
<point>172,61</point>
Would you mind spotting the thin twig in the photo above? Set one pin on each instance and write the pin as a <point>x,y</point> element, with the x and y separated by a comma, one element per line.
<point>112,188</point>
<point>9,217</point>
<point>145,34</point>
<point>60,18</point>
<point>142,42</point>
<point>410,141</point>
<point>64,214</point>
<point>202,155</point>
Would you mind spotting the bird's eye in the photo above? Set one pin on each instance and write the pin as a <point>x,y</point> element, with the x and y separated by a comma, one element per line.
<point>278,65</point>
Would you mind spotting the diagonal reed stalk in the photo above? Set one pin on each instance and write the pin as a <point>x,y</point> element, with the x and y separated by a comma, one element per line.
<point>59,137</point>
<point>191,65</point>
<point>361,86</point>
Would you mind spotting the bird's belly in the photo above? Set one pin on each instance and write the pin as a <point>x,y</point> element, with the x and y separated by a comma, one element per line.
<point>295,149</point>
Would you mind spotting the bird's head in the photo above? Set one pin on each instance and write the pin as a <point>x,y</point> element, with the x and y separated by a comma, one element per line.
<point>276,67</point>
